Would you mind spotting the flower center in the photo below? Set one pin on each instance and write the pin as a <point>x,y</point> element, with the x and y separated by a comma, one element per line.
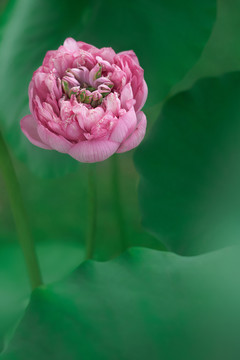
<point>89,87</point>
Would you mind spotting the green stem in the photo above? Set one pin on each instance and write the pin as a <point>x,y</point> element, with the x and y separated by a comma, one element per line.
<point>117,204</point>
<point>92,212</point>
<point>20,216</point>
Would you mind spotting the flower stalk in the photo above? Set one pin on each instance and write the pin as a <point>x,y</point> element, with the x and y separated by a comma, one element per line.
<point>117,204</point>
<point>92,212</point>
<point>20,215</point>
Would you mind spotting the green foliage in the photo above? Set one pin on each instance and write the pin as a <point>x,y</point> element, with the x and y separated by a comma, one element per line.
<point>57,260</point>
<point>190,168</point>
<point>167,36</point>
<point>222,52</point>
<point>144,304</point>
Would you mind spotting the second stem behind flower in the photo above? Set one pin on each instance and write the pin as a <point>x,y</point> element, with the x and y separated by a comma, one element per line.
<point>20,215</point>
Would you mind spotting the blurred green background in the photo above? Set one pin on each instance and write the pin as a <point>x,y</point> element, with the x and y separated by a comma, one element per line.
<point>177,44</point>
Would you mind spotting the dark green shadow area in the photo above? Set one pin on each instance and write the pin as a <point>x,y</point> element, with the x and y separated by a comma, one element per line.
<point>190,168</point>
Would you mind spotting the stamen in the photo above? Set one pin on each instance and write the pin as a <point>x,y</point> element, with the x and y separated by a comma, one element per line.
<point>85,93</point>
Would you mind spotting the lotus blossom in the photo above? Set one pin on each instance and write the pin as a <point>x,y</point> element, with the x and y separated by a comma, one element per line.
<point>87,102</point>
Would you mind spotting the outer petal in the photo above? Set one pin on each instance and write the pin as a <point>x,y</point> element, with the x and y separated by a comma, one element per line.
<point>29,128</point>
<point>61,62</point>
<point>71,45</point>
<point>125,126</point>
<point>30,95</point>
<point>130,53</point>
<point>141,96</point>
<point>137,136</point>
<point>43,84</point>
<point>49,55</point>
<point>106,53</point>
<point>84,46</point>
<point>55,142</point>
<point>90,151</point>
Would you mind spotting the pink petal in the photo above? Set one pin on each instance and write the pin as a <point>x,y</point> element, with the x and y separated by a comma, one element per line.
<point>125,126</point>
<point>87,47</point>
<point>62,62</point>
<point>106,53</point>
<point>127,65</point>
<point>92,74</point>
<point>48,57</point>
<point>30,95</point>
<point>55,142</point>
<point>88,117</point>
<point>102,128</point>
<point>105,64</point>
<point>43,114</point>
<point>137,136</point>
<point>81,74</point>
<point>29,128</point>
<point>130,53</point>
<point>112,103</point>
<point>70,44</point>
<point>84,58</point>
<point>118,77</point>
<point>141,96</point>
<point>39,86</point>
<point>52,86</point>
<point>90,151</point>
<point>56,128</point>
<point>73,131</point>
<point>126,98</point>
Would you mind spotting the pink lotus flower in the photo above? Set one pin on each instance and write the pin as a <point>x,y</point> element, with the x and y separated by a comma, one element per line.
<point>86,102</point>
